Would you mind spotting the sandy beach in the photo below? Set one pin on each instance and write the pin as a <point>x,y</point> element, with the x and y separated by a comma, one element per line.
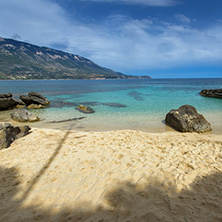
<point>53,175</point>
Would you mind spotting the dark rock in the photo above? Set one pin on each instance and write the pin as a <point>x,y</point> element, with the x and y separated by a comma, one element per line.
<point>4,125</point>
<point>6,95</point>
<point>9,133</point>
<point>85,109</point>
<point>34,98</point>
<point>215,93</point>
<point>20,104</point>
<point>22,115</point>
<point>187,119</point>
<point>7,102</point>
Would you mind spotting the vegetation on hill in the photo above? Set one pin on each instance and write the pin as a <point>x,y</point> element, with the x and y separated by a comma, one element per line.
<point>20,60</point>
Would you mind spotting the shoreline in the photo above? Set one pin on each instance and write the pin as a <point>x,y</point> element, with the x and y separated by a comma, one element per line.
<point>92,129</point>
<point>93,123</point>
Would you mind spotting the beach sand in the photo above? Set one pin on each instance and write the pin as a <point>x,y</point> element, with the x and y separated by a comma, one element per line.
<point>53,175</point>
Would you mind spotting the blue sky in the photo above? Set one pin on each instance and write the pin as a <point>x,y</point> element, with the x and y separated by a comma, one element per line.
<point>160,38</point>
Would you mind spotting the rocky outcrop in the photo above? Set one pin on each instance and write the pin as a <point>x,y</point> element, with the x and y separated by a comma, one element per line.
<point>22,115</point>
<point>32,101</point>
<point>9,133</point>
<point>7,102</point>
<point>85,109</point>
<point>34,98</point>
<point>215,93</point>
<point>187,119</point>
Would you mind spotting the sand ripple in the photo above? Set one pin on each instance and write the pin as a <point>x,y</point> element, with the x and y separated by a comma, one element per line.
<point>51,175</point>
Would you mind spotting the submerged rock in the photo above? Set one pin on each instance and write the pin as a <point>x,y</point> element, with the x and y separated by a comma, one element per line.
<point>85,109</point>
<point>9,133</point>
<point>187,119</point>
<point>93,103</point>
<point>22,115</point>
<point>34,98</point>
<point>136,95</point>
<point>215,93</point>
<point>60,104</point>
<point>116,105</point>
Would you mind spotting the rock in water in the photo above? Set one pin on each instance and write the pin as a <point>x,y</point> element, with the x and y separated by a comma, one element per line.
<point>22,115</point>
<point>34,98</point>
<point>9,133</point>
<point>7,102</point>
<point>187,119</point>
<point>85,109</point>
<point>215,93</point>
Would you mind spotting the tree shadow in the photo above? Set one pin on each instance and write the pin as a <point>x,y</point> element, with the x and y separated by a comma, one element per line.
<point>126,201</point>
<point>47,164</point>
<point>152,201</point>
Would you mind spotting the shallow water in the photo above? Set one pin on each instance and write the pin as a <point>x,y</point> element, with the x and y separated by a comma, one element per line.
<point>118,104</point>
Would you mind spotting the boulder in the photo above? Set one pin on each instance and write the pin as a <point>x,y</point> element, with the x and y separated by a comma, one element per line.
<point>187,119</point>
<point>22,115</point>
<point>7,102</point>
<point>9,133</point>
<point>34,98</point>
<point>215,93</point>
<point>85,109</point>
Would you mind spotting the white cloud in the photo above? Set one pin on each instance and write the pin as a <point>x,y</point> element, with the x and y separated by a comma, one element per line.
<point>141,2</point>
<point>37,21</point>
<point>182,18</point>
<point>121,43</point>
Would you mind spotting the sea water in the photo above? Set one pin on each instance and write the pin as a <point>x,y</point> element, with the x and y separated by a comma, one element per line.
<point>137,104</point>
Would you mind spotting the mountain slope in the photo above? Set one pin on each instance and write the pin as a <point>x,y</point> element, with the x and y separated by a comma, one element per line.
<point>20,60</point>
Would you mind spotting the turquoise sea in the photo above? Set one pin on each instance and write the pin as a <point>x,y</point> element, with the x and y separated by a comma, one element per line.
<point>138,104</point>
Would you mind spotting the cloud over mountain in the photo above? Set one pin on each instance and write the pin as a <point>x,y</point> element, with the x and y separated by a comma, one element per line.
<point>119,41</point>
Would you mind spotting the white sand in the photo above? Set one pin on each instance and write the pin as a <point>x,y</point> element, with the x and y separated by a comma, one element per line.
<point>52,175</point>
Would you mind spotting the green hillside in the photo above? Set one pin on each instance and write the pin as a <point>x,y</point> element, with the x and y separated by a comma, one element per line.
<point>20,60</point>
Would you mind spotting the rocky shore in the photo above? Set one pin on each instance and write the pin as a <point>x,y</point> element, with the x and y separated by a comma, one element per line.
<point>31,101</point>
<point>214,93</point>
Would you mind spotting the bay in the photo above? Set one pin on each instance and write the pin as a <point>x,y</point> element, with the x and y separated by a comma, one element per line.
<point>137,104</point>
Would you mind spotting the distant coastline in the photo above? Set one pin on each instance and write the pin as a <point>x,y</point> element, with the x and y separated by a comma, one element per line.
<point>22,61</point>
<point>134,77</point>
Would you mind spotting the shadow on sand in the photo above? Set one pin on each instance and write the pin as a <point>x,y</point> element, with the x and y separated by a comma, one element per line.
<point>202,202</point>
<point>154,201</point>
